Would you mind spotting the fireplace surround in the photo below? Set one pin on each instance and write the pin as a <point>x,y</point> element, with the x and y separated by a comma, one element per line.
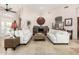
<point>40,29</point>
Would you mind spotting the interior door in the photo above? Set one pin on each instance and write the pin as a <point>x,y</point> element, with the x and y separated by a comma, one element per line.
<point>58,20</point>
<point>78,27</point>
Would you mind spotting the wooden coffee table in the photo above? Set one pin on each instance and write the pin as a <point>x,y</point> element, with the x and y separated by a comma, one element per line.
<point>39,37</point>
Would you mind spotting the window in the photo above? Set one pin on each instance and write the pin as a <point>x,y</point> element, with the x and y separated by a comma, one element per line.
<point>5,27</point>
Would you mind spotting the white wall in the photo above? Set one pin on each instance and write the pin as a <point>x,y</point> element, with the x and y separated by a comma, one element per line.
<point>49,16</point>
<point>32,15</point>
<point>28,15</point>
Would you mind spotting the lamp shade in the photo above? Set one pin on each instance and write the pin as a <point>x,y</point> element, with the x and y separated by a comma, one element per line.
<point>14,25</point>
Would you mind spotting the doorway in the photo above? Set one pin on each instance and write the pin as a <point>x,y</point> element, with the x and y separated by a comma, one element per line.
<point>77,27</point>
<point>58,20</point>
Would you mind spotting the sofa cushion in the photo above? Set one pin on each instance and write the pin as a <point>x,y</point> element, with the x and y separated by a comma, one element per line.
<point>24,34</point>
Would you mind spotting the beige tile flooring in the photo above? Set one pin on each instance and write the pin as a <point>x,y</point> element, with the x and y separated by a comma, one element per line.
<point>42,48</point>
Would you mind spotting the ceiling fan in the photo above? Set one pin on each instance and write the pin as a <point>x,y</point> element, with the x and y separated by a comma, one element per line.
<point>7,9</point>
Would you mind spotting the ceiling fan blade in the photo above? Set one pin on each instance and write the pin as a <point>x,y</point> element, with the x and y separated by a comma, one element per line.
<point>7,9</point>
<point>13,11</point>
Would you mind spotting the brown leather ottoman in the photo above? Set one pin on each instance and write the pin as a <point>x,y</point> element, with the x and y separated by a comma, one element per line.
<point>11,43</point>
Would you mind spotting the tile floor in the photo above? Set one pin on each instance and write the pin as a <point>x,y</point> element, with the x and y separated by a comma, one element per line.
<point>42,48</point>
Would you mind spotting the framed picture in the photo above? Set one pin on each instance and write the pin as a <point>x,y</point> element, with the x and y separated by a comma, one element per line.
<point>68,22</point>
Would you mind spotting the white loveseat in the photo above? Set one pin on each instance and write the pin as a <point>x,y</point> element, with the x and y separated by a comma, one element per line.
<point>25,35</point>
<point>58,36</point>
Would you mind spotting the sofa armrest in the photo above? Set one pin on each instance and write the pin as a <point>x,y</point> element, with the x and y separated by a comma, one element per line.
<point>17,41</point>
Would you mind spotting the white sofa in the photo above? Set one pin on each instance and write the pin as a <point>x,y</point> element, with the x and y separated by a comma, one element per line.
<point>58,36</point>
<point>25,35</point>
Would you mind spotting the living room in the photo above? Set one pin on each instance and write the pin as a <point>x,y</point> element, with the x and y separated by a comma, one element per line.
<point>40,27</point>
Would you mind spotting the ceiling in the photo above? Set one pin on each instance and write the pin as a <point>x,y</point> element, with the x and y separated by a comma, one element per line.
<point>36,7</point>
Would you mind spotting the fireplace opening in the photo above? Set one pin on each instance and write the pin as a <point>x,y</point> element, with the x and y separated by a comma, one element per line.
<point>40,30</point>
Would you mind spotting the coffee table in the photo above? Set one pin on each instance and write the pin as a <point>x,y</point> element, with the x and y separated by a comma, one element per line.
<point>39,37</point>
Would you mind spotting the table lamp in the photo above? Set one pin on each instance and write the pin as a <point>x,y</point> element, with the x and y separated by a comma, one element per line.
<point>14,27</point>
